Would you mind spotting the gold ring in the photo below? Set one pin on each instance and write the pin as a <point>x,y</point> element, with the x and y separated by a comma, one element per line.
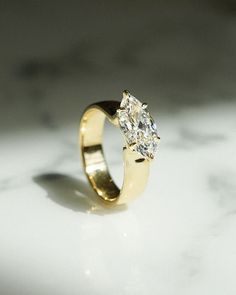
<point>141,140</point>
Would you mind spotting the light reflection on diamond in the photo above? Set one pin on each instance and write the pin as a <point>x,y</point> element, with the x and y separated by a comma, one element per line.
<point>138,126</point>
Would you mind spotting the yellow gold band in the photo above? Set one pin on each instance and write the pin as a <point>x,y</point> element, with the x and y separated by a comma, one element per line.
<point>136,168</point>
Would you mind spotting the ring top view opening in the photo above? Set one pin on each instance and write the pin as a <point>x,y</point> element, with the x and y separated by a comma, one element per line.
<point>141,140</point>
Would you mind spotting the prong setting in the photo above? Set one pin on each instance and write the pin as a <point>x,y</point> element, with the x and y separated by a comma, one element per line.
<point>138,126</point>
<point>144,105</point>
<point>126,93</point>
<point>132,146</point>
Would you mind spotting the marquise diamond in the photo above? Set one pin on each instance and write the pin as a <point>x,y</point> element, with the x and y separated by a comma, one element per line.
<point>138,126</point>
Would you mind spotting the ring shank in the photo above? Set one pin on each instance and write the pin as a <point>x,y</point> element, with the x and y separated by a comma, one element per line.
<point>96,168</point>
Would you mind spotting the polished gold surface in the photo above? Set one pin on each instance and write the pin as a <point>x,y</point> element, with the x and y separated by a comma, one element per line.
<point>136,168</point>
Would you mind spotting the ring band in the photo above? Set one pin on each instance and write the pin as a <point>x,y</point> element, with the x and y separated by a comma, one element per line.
<point>136,164</point>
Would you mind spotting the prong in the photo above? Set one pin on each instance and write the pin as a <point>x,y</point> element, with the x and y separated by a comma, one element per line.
<point>126,93</point>
<point>157,138</point>
<point>118,111</point>
<point>144,105</point>
<point>151,157</point>
<point>132,146</point>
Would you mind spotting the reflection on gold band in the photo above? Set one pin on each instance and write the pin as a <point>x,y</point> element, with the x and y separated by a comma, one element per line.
<point>136,169</point>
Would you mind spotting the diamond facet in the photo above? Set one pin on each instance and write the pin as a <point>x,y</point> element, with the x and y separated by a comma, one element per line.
<point>138,126</point>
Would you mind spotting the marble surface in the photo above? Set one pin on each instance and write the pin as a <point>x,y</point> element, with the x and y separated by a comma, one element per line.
<point>177,238</point>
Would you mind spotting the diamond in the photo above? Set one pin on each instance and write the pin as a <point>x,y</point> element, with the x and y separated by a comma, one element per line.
<point>138,126</point>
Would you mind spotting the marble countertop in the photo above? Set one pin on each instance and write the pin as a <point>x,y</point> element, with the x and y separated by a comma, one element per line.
<point>177,238</point>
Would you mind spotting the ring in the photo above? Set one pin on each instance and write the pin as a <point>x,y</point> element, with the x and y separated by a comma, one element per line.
<point>141,141</point>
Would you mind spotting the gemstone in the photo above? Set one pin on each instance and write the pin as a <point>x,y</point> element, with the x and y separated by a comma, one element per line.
<point>138,126</point>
